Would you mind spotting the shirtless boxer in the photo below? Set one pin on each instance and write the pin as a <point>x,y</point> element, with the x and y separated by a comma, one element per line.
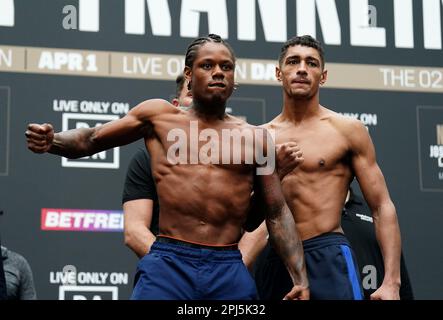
<point>335,149</point>
<point>202,205</point>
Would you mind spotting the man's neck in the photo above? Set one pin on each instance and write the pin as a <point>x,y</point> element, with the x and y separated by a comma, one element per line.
<point>297,110</point>
<point>210,111</point>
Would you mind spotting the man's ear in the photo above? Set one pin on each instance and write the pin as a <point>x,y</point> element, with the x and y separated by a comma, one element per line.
<point>278,73</point>
<point>175,102</point>
<point>324,77</point>
<point>187,72</point>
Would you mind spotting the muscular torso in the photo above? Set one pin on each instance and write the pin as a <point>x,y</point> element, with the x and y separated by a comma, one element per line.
<point>205,203</point>
<point>315,191</point>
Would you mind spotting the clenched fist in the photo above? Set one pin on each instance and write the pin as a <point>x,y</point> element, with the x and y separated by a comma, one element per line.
<point>298,293</point>
<point>387,292</point>
<point>289,156</point>
<point>39,137</point>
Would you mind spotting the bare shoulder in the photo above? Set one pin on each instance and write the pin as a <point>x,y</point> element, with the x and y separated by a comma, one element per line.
<point>149,110</point>
<point>353,131</point>
<point>267,125</point>
<point>275,123</point>
<point>346,125</point>
<point>258,132</point>
<point>160,105</point>
<point>239,122</point>
<point>235,120</point>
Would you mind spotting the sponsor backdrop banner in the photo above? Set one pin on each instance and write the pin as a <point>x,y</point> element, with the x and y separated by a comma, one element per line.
<point>81,63</point>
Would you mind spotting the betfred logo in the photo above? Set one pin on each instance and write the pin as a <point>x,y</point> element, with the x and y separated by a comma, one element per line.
<point>81,220</point>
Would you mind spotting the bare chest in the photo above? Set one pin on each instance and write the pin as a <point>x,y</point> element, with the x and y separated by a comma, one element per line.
<point>193,142</point>
<point>323,148</point>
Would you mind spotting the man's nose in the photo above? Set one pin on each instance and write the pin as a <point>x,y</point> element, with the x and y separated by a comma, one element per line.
<point>218,72</point>
<point>302,69</point>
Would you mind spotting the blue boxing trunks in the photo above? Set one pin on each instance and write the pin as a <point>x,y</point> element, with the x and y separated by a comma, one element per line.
<point>331,268</point>
<point>180,270</point>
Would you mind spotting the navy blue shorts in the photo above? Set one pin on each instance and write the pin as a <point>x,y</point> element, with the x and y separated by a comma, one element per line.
<point>179,270</point>
<point>331,268</point>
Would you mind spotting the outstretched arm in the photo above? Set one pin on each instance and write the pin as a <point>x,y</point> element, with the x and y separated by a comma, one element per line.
<point>87,141</point>
<point>375,191</point>
<point>284,236</point>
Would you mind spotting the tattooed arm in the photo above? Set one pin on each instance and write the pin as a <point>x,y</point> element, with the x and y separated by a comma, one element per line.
<point>284,236</point>
<point>82,142</point>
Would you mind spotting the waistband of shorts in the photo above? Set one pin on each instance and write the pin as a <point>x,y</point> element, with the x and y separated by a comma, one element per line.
<point>168,245</point>
<point>196,245</point>
<point>324,240</point>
